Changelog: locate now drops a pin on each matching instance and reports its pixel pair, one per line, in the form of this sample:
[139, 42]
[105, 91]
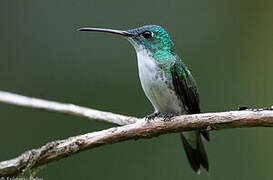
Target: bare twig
[141, 129]
[35, 103]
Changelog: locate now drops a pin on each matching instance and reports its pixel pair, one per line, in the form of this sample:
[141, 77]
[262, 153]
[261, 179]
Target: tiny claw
[169, 116]
[151, 117]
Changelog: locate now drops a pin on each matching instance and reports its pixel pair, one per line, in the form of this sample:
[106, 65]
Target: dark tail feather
[206, 135]
[196, 156]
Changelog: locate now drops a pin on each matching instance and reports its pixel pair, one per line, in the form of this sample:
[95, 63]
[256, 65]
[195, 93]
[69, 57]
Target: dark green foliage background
[228, 45]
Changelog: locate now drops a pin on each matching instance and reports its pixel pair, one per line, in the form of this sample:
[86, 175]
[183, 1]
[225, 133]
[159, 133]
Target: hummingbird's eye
[147, 34]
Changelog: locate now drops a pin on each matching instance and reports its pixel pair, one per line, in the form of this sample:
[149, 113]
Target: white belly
[160, 95]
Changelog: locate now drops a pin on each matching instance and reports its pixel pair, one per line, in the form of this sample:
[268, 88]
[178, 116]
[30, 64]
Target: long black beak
[112, 31]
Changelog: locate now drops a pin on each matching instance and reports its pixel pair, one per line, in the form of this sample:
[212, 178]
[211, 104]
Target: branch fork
[132, 128]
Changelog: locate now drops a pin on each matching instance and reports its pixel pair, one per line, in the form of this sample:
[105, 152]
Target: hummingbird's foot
[169, 116]
[150, 117]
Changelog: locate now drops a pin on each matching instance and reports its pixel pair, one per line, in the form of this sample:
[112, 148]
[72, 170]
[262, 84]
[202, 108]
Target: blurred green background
[228, 45]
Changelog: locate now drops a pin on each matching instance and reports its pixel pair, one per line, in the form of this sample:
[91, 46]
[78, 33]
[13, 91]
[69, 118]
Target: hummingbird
[167, 83]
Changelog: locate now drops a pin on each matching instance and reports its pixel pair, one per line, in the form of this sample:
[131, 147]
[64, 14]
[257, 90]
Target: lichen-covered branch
[63, 148]
[138, 129]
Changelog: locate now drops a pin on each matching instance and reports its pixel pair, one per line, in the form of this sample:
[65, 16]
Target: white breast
[160, 95]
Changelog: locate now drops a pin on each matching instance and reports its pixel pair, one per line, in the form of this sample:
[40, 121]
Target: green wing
[185, 87]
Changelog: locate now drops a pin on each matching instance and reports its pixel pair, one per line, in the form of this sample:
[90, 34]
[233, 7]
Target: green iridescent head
[152, 38]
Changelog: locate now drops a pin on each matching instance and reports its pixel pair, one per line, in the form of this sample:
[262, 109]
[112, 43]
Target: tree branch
[141, 129]
[35, 103]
